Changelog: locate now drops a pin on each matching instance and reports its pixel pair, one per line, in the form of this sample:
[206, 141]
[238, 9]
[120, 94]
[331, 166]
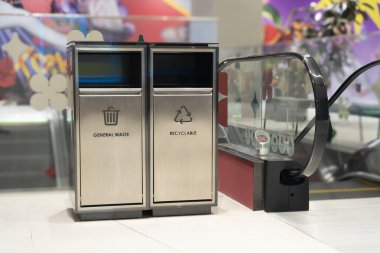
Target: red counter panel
[235, 178]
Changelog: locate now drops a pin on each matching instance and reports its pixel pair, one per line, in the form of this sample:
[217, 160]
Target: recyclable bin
[108, 128]
[183, 100]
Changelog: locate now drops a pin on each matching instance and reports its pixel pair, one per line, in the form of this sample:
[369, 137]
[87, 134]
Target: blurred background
[342, 35]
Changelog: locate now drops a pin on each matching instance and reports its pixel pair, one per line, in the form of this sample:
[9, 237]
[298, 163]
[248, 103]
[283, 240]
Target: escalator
[33, 149]
[285, 96]
[275, 96]
[354, 171]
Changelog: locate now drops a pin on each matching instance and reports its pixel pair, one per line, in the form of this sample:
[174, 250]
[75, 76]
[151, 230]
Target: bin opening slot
[110, 70]
[183, 69]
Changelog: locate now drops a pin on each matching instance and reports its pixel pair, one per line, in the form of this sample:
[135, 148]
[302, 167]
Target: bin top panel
[151, 44]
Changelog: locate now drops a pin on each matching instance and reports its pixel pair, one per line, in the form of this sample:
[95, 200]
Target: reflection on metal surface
[111, 156]
[183, 127]
[108, 129]
[183, 152]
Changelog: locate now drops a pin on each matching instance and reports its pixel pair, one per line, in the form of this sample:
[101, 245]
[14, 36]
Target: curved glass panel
[277, 94]
[355, 132]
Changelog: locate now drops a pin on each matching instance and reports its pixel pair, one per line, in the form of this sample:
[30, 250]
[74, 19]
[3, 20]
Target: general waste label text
[118, 134]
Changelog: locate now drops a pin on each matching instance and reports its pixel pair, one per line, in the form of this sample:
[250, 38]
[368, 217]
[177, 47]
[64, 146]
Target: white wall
[239, 26]
[239, 22]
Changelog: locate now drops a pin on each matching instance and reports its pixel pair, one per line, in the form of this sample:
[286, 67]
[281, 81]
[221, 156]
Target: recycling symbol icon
[183, 115]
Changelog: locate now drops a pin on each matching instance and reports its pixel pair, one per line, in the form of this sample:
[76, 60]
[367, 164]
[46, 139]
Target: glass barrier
[33, 83]
[280, 94]
[358, 106]
[355, 115]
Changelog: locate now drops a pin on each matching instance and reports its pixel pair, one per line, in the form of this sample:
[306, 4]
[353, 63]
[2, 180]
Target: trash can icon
[110, 116]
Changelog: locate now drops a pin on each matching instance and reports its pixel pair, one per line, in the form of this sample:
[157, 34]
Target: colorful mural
[288, 20]
[342, 35]
[32, 45]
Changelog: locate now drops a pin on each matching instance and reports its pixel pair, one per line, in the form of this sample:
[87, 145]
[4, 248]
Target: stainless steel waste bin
[183, 129]
[108, 128]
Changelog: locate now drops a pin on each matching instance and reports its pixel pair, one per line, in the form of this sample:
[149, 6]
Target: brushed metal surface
[109, 91]
[181, 90]
[111, 166]
[104, 48]
[183, 164]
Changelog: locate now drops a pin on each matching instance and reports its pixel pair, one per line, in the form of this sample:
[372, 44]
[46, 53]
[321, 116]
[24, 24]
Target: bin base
[175, 211]
[110, 215]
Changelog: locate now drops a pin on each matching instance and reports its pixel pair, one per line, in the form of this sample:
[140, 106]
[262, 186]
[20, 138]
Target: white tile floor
[41, 222]
[349, 225]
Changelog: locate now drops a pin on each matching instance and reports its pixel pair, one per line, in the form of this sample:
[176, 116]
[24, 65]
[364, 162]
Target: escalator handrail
[350, 79]
[321, 119]
[336, 95]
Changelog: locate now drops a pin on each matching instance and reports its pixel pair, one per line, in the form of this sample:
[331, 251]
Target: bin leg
[182, 210]
[110, 215]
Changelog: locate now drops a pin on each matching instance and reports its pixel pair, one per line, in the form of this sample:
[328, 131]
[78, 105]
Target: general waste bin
[111, 116]
[108, 128]
[183, 129]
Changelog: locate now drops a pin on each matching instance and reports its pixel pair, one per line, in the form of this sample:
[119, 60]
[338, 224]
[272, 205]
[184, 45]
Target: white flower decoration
[76, 35]
[48, 92]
